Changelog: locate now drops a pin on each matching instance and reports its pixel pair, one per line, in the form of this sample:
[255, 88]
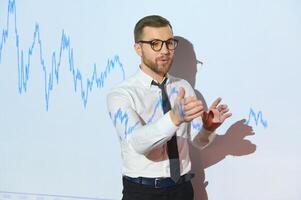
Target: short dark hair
[152, 21]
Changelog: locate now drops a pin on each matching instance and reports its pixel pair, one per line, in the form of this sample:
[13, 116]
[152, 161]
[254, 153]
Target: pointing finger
[216, 102]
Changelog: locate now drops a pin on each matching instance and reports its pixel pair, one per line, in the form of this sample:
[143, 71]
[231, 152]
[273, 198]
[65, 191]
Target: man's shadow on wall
[231, 143]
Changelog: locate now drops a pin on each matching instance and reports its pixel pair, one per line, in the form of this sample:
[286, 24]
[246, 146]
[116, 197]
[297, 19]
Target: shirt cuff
[211, 137]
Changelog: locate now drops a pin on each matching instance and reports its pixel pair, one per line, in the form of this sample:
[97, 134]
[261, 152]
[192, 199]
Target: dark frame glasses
[156, 44]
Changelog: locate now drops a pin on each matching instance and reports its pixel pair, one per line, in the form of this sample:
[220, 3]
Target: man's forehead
[157, 32]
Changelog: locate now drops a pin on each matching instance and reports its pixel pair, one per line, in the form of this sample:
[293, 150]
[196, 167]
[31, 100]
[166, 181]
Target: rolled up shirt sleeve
[196, 130]
[132, 129]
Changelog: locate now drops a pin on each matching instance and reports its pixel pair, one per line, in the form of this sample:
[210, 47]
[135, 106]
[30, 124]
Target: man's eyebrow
[158, 39]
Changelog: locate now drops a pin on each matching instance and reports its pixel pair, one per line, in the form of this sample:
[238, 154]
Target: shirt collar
[146, 79]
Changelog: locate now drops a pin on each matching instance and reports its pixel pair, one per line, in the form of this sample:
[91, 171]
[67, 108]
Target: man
[156, 115]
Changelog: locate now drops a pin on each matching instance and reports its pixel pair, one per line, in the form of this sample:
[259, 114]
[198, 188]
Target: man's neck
[155, 76]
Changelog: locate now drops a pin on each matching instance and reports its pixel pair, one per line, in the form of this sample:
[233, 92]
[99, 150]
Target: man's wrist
[204, 137]
[208, 129]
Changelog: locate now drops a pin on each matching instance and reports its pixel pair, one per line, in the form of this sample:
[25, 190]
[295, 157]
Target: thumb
[181, 93]
[204, 117]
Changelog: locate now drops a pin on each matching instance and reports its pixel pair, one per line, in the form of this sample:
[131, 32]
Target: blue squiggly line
[159, 103]
[258, 118]
[49, 78]
[196, 126]
[173, 91]
[123, 117]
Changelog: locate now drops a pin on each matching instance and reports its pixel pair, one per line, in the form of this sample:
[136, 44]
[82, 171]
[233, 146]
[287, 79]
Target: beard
[156, 66]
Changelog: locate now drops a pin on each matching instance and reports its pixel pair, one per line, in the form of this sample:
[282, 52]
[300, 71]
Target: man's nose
[164, 49]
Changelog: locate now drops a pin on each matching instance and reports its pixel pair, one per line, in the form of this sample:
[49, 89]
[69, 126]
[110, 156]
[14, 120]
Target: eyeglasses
[156, 44]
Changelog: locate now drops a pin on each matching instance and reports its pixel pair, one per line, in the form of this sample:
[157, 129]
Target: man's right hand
[185, 109]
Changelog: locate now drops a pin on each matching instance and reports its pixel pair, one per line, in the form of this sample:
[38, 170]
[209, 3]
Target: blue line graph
[257, 118]
[123, 117]
[173, 91]
[196, 126]
[24, 63]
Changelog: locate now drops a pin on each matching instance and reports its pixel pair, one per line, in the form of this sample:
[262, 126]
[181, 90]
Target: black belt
[159, 182]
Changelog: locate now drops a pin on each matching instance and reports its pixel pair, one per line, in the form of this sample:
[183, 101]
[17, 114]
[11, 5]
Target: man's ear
[138, 49]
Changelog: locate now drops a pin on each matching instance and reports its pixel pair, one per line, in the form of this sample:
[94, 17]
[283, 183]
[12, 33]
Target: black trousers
[134, 191]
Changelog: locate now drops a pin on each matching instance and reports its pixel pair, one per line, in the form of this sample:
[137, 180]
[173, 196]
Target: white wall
[52, 146]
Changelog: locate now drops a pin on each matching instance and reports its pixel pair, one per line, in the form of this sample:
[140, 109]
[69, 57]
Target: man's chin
[160, 69]
[165, 68]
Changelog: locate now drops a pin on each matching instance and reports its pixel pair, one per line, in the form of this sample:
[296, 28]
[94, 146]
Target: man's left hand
[216, 115]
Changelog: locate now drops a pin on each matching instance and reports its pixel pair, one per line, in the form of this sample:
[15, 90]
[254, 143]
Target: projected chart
[59, 60]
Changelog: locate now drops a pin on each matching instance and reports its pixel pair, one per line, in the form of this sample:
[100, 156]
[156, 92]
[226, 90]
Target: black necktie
[172, 147]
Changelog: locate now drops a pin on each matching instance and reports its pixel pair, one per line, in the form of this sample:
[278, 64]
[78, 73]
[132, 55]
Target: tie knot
[161, 86]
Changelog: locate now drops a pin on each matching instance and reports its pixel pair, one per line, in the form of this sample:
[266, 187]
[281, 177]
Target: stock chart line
[257, 117]
[24, 64]
[123, 118]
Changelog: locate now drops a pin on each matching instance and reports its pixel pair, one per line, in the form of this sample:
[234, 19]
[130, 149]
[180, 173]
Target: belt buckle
[156, 182]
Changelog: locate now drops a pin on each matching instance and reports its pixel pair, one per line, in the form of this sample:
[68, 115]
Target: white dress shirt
[135, 107]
